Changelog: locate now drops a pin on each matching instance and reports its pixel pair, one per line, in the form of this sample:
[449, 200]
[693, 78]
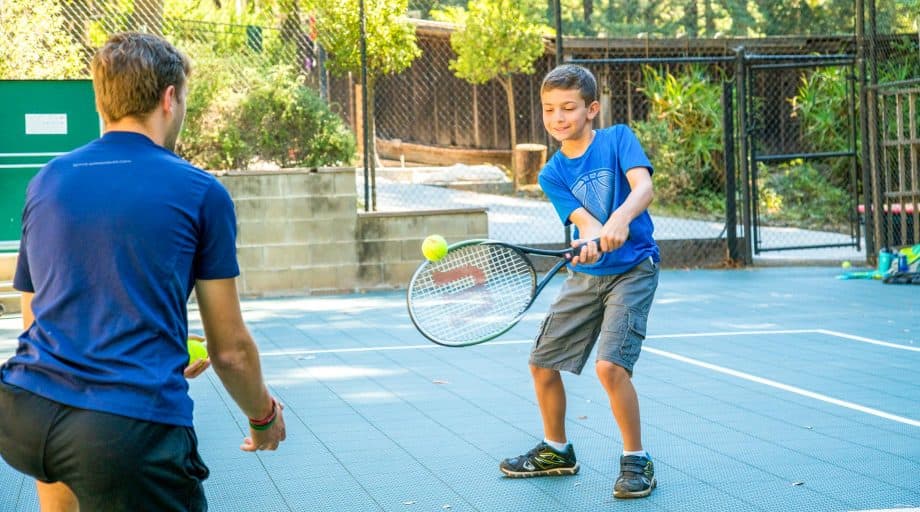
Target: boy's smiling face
[565, 115]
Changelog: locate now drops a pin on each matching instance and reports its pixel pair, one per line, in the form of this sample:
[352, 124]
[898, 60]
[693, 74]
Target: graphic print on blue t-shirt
[597, 182]
[596, 191]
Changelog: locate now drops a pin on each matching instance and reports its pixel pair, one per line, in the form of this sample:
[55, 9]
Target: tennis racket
[478, 291]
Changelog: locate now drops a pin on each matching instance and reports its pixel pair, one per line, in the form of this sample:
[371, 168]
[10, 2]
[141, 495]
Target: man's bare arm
[235, 359]
[232, 351]
[25, 300]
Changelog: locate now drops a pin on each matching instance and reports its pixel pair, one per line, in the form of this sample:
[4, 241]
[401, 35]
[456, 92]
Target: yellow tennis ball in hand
[196, 351]
[434, 247]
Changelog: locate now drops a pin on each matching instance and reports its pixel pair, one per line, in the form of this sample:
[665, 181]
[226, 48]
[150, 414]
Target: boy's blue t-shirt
[596, 181]
[115, 234]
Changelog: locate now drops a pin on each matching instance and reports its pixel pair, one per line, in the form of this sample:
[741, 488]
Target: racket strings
[472, 294]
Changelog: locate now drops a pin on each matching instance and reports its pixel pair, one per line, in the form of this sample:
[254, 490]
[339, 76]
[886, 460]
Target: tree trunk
[587, 7]
[691, 18]
[710, 19]
[476, 142]
[527, 160]
[374, 157]
[508, 84]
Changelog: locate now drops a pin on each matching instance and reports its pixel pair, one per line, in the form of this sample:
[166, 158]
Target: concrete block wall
[389, 243]
[295, 230]
[300, 232]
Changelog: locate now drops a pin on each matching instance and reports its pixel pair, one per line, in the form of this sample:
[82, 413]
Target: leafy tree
[495, 40]
[390, 41]
[34, 43]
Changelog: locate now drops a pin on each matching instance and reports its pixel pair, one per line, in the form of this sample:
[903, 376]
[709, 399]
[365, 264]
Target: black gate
[798, 151]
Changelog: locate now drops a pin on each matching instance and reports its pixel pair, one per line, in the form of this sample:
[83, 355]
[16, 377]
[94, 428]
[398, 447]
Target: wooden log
[528, 159]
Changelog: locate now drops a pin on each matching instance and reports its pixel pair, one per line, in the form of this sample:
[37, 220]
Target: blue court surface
[771, 389]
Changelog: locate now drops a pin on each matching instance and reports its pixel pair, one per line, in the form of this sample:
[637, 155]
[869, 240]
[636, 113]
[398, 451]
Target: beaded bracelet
[266, 422]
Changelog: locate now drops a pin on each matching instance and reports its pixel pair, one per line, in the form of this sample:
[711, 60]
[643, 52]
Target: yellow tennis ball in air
[196, 351]
[845, 264]
[434, 247]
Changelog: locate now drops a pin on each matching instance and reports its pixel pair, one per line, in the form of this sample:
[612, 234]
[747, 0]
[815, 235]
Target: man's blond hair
[132, 70]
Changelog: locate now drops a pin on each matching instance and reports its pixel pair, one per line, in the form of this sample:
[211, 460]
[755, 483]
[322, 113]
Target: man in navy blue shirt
[116, 234]
[600, 181]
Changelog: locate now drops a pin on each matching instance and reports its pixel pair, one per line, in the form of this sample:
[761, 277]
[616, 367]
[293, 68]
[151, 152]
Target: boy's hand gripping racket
[478, 291]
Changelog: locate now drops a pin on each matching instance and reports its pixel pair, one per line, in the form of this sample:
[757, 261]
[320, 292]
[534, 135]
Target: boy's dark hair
[132, 70]
[569, 77]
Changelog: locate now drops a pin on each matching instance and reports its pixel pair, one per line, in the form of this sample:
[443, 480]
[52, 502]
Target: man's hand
[198, 367]
[268, 439]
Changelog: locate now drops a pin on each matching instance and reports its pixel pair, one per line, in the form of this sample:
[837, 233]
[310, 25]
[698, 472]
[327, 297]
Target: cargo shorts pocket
[636, 323]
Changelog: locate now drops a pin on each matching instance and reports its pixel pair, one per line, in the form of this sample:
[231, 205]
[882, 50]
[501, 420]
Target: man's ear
[169, 99]
[594, 108]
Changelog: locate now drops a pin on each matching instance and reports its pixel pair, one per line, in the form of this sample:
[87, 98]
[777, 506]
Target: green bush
[238, 115]
[822, 110]
[683, 138]
[35, 43]
[212, 138]
[290, 125]
[799, 193]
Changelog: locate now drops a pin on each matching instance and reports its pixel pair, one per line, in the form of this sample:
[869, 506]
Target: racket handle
[575, 250]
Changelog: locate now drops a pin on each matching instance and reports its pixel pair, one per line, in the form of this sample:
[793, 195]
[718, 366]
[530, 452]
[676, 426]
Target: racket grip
[572, 251]
[575, 250]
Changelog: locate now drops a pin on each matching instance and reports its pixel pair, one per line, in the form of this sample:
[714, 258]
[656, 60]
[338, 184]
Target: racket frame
[565, 256]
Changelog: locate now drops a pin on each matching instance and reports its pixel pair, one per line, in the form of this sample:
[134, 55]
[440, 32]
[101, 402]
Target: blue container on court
[885, 260]
[902, 263]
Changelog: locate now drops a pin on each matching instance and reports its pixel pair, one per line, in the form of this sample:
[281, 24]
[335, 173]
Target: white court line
[650, 337]
[913, 509]
[784, 387]
[516, 342]
[868, 340]
[684, 359]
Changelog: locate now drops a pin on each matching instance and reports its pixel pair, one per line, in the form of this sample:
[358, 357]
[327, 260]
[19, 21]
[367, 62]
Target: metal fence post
[866, 167]
[728, 137]
[364, 116]
[557, 14]
[741, 95]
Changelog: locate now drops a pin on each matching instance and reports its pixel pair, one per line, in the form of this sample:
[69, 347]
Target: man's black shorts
[110, 462]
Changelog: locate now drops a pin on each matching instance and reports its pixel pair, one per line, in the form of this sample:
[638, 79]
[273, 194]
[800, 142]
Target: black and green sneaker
[541, 461]
[637, 477]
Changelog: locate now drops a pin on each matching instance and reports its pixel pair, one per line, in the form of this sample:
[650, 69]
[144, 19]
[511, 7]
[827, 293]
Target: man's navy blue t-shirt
[596, 181]
[114, 236]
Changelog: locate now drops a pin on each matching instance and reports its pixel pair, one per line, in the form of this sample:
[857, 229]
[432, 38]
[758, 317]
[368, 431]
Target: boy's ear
[593, 109]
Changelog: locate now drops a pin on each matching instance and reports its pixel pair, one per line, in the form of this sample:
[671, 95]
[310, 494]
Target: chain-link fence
[795, 148]
[72, 30]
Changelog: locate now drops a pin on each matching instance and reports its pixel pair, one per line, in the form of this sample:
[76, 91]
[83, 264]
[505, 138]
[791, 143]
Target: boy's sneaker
[541, 461]
[637, 477]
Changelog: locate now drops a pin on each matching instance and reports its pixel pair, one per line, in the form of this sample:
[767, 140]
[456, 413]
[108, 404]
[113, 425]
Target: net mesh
[473, 294]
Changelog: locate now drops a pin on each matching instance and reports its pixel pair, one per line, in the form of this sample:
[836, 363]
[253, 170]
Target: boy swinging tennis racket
[600, 180]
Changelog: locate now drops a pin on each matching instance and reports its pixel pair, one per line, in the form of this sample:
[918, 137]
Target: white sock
[640, 453]
[559, 447]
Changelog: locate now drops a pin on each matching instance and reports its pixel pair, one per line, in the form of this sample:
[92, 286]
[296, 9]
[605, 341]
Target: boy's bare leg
[551, 399]
[623, 401]
[56, 497]
[546, 460]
